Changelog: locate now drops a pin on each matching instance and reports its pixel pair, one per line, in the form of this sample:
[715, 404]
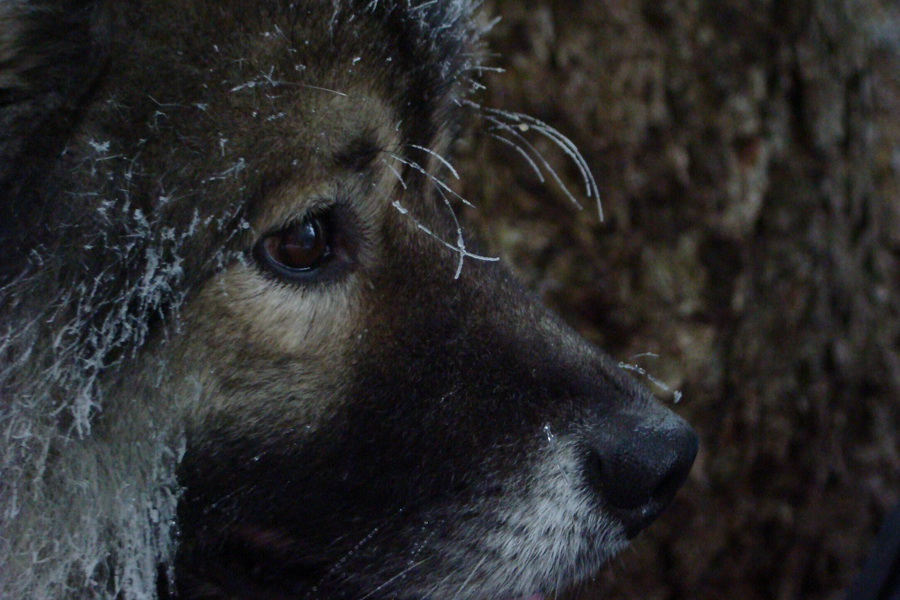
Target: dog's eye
[299, 249]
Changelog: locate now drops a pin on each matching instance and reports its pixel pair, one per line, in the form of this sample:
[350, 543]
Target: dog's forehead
[289, 91]
[397, 42]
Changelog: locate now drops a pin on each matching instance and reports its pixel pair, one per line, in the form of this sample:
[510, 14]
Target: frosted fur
[88, 510]
[81, 508]
[90, 405]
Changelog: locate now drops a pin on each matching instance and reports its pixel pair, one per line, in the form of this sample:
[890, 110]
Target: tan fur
[398, 421]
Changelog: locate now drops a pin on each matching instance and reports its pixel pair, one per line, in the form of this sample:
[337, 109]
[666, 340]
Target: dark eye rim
[334, 262]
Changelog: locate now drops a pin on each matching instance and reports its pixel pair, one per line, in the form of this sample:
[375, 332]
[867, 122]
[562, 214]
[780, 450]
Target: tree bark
[747, 155]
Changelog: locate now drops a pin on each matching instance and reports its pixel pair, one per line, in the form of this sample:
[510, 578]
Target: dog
[249, 351]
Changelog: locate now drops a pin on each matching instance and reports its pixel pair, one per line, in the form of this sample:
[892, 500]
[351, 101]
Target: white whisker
[396, 204]
[460, 242]
[395, 578]
[524, 154]
[413, 164]
[676, 395]
[321, 89]
[443, 160]
[512, 130]
[469, 578]
[395, 172]
[505, 120]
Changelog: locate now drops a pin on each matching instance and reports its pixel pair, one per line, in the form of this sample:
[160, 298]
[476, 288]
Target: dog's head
[373, 409]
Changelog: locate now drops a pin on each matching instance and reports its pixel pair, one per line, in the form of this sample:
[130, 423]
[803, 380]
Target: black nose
[636, 461]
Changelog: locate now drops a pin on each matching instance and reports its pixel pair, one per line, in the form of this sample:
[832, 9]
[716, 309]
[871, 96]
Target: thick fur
[178, 420]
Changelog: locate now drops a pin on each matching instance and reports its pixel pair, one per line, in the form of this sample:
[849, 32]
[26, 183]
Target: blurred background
[747, 152]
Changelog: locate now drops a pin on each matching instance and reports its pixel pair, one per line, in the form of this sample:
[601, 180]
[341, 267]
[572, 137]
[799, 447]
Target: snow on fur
[87, 504]
[88, 491]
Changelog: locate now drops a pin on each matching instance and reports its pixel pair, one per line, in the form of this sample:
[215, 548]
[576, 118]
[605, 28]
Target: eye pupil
[300, 246]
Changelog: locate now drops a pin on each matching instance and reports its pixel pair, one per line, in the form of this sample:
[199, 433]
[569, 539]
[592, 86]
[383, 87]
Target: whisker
[395, 172]
[562, 141]
[396, 204]
[395, 577]
[413, 164]
[343, 560]
[512, 130]
[321, 89]
[676, 394]
[443, 160]
[460, 242]
[524, 154]
[644, 354]
[469, 578]
[554, 447]
[504, 119]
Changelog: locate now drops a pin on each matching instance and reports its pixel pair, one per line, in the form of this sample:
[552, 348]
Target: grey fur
[164, 397]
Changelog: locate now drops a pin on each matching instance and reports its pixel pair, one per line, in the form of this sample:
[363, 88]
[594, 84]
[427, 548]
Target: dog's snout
[636, 463]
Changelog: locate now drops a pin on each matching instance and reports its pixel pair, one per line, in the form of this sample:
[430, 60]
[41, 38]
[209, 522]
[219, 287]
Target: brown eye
[298, 249]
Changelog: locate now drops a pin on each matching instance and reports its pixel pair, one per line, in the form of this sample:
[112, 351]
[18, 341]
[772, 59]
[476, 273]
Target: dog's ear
[51, 52]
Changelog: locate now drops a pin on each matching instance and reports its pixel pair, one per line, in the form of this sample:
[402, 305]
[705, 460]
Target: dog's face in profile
[372, 426]
[372, 409]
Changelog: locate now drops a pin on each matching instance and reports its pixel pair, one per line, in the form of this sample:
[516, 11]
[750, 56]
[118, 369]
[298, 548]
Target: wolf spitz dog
[247, 351]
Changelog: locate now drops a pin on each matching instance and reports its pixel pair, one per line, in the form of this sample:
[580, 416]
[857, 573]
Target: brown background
[747, 154]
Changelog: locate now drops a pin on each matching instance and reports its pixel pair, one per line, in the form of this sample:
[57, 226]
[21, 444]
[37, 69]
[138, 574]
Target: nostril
[621, 481]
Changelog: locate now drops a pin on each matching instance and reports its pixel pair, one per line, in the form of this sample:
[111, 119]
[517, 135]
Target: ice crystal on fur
[87, 505]
[123, 201]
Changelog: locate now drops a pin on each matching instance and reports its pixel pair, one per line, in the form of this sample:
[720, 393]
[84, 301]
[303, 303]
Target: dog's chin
[259, 581]
[262, 565]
